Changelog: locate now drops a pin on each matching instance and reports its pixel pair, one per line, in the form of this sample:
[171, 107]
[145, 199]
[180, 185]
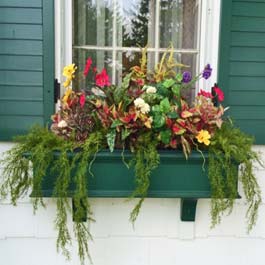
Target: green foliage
[41, 150]
[146, 159]
[229, 148]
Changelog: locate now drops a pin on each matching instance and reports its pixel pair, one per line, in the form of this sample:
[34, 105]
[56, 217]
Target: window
[111, 31]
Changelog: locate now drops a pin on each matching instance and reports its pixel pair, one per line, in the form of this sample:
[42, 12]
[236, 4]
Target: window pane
[92, 22]
[126, 60]
[178, 23]
[100, 59]
[136, 23]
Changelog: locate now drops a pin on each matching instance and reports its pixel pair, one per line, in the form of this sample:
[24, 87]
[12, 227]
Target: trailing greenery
[146, 159]
[42, 151]
[229, 148]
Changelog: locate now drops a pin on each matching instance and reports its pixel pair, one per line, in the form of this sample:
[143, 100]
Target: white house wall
[159, 237]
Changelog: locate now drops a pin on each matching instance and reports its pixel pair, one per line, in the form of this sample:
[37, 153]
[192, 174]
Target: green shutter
[27, 65]
[242, 64]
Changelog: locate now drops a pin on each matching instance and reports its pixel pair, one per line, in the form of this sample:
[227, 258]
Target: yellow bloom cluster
[204, 137]
[68, 72]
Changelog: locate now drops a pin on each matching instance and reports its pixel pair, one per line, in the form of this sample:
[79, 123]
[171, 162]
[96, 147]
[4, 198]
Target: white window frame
[208, 46]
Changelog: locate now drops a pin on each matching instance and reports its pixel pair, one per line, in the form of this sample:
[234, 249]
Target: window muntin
[111, 31]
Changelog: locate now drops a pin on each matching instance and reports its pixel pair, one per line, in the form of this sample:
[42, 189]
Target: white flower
[151, 90]
[145, 108]
[139, 103]
[62, 124]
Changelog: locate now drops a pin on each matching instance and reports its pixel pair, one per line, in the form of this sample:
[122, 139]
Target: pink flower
[219, 93]
[87, 67]
[205, 94]
[102, 79]
[82, 100]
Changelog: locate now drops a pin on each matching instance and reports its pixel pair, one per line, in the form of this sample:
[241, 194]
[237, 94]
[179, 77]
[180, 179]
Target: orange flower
[204, 137]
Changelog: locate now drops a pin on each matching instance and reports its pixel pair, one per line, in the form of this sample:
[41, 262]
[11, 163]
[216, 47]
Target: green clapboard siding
[27, 65]
[242, 64]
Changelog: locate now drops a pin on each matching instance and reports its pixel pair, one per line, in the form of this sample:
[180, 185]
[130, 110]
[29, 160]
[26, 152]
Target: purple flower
[186, 77]
[207, 71]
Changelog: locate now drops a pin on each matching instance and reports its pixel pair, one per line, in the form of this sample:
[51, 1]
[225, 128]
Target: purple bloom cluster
[186, 77]
[207, 71]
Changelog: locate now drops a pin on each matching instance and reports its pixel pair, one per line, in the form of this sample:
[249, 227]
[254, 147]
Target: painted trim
[209, 40]
[48, 59]
[224, 44]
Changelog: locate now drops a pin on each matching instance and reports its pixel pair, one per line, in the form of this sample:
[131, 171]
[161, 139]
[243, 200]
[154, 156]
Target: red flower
[205, 94]
[219, 93]
[82, 100]
[139, 82]
[128, 118]
[102, 79]
[87, 67]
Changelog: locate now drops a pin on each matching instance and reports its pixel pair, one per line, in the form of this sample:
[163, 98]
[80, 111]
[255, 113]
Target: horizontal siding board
[21, 15]
[13, 62]
[248, 9]
[247, 54]
[245, 98]
[247, 68]
[247, 83]
[250, 126]
[247, 112]
[255, 1]
[23, 108]
[16, 125]
[248, 39]
[21, 78]
[23, 92]
[20, 31]
[252, 24]
[21, 47]
[21, 3]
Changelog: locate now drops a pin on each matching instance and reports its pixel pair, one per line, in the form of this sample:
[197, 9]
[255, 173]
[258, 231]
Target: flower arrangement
[148, 112]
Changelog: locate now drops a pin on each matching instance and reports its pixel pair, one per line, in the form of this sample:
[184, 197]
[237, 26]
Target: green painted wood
[19, 3]
[175, 177]
[247, 68]
[244, 98]
[246, 54]
[21, 92]
[242, 64]
[250, 24]
[16, 125]
[247, 112]
[21, 108]
[21, 47]
[21, 78]
[48, 59]
[247, 83]
[21, 15]
[188, 210]
[248, 128]
[247, 39]
[248, 9]
[27, 63]
[21, 31]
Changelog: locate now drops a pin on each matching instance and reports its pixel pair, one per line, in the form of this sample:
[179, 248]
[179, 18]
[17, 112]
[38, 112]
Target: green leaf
[176, 90]
[165, 105]
[165, 136]
[173, 115]
[179, 77]
[156, 108]
[116, 123]
[168, 83]
[124, 134]
[111, 139]
[159, 120]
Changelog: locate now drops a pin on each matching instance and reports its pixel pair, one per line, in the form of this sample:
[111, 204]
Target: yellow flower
[69, 71]
[67, 82]
[67, 94]
[203, 137]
